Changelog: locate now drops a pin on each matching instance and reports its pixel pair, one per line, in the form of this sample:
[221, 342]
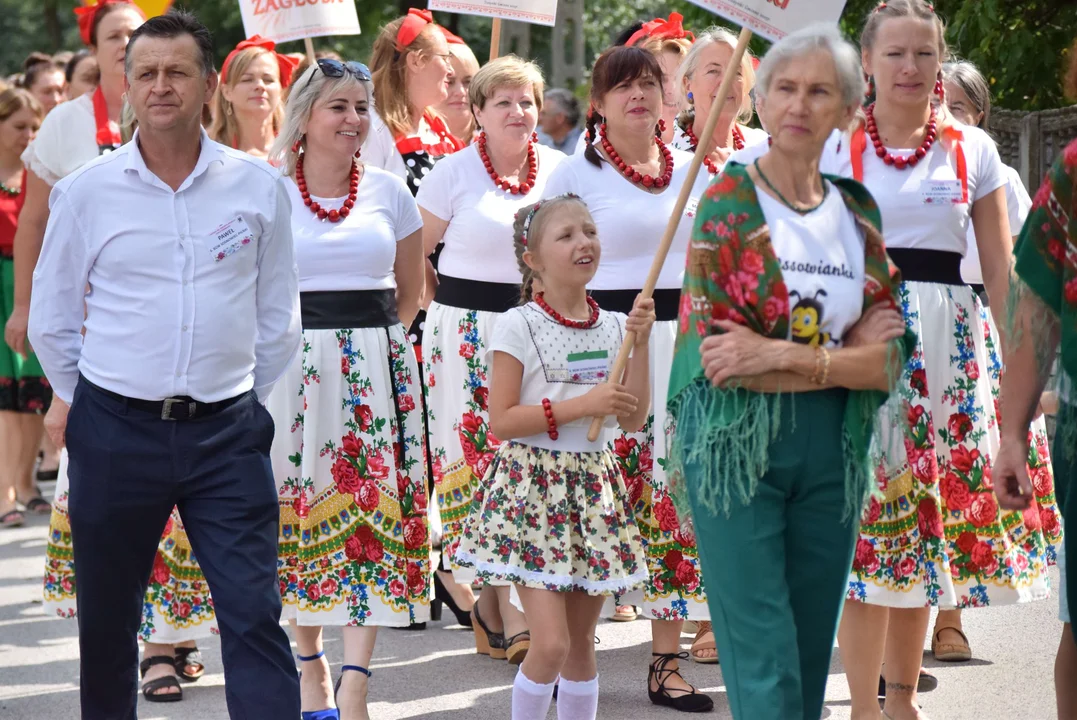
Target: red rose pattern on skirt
[938, 536]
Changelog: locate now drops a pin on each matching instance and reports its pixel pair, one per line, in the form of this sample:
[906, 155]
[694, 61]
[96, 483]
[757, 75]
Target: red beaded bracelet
[547, 407]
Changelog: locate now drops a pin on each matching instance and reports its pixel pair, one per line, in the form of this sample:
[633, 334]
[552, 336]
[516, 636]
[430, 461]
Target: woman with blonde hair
[354, 549]
[247, 109]
[468, 203]
[457, 106]
[697, 82]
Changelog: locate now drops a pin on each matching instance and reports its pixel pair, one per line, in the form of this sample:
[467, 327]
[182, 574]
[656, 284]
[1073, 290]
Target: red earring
[871, 87]
[358, 153]
[940, 89]
[298, 144]
[661, 126]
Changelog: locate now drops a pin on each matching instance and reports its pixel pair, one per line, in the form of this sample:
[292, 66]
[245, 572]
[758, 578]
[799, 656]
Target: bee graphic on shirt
[807, 319]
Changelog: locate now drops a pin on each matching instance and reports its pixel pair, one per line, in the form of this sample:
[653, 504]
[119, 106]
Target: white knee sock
[530, 700]
[577, 700]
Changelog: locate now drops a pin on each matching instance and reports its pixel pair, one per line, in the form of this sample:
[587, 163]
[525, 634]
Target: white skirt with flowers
[938, 537]
[348, 457]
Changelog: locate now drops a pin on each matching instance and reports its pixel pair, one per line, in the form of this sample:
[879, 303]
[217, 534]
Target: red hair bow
[86, 15]
[287, 65]
[671, 29]
[413, 24]
[451, 37]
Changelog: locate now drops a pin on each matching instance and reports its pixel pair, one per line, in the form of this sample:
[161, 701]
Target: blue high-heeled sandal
[356, 668]
[328, 713]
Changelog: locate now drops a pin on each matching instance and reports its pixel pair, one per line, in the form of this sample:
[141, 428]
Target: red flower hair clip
[671, 29]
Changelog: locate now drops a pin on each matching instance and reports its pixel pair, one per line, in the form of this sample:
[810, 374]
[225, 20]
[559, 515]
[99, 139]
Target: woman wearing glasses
[348, 453]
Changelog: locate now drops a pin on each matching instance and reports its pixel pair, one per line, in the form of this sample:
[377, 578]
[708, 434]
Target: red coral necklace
[577, 324]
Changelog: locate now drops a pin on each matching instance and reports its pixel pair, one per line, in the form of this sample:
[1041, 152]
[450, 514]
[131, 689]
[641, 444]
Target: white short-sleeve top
[379, 148]
[478, 240]
[66, 141]
[631, 220]
[359, 252]
[822, 262]
[1018, 205]
[560, 363]
[752, 137]
[909, 219]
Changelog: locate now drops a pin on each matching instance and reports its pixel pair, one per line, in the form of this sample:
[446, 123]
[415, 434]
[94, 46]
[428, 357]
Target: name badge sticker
[691, 207]
[941, 192]
[231, 236]
[588, 366]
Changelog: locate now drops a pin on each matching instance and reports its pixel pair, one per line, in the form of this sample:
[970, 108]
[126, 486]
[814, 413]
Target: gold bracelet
[814, 379]
[826, 366]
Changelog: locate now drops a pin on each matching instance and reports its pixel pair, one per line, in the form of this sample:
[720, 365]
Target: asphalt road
[437, 676]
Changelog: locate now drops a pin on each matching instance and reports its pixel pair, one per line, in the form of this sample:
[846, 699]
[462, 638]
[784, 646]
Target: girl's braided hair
[527, 228]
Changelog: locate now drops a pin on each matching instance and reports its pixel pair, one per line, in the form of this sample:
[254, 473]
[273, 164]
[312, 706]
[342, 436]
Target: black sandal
[12, 519]
[37, 505]
[189, 657]
[150, 688]
[692, 702]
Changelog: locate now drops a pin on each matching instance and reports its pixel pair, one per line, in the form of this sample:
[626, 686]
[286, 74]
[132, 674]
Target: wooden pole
[495, 39]
[308, 45]
[702, 151]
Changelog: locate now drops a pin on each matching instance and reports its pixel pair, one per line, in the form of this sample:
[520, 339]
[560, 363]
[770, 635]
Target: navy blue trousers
[128, 468]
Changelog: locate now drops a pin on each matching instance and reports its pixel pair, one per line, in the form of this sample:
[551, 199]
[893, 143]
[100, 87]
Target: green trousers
[1065, 470]
[776, 569]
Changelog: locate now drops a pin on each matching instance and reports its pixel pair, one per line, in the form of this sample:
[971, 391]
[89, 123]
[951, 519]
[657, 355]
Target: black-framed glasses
[335, 69]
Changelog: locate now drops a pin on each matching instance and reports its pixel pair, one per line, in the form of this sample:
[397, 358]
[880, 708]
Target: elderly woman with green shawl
[1043, 325]
[789, 341]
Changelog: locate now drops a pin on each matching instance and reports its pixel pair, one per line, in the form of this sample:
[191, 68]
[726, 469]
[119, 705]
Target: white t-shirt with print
[560, 363]
[822, 262]
[359, 252]
[1018, 205]
[478, 240]
[909, 220]
[631, 220]
[66, 141]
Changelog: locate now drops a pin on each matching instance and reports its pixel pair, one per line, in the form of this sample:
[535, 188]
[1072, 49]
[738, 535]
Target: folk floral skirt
[348, 457]
[674, 590]
[458, 415]
[553, 520]
[177, 606]
[938, 537]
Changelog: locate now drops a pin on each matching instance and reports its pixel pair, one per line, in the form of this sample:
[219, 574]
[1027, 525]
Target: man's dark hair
[172, 25]
[567, 102]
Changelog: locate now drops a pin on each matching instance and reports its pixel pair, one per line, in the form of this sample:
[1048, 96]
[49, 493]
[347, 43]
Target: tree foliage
[1021, 47]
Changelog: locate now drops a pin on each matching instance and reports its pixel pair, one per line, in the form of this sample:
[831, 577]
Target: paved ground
[435, 675]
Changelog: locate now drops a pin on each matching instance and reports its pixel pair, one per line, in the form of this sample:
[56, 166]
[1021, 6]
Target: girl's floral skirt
[938, 536]
[348, 457]
[458, 415]
[177, 606]
[674, 589]
[554, 520]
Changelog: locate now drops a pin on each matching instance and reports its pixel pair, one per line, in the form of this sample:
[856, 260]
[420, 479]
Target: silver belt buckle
[169, 403]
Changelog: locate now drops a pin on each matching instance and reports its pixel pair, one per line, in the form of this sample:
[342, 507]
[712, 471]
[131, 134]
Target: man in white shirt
[191, 317]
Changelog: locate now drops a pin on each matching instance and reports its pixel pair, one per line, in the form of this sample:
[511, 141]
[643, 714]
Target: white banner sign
[284, 20]
[774, 19]
[539, 12]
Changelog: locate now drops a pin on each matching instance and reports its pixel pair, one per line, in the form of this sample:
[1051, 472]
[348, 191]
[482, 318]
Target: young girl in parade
[552, 513]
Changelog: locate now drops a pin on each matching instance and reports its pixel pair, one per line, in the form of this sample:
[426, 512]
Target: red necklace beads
[532, 167]
[577, 324]
[634, 175]
[900, 161]
[712, 167]
[322, 213]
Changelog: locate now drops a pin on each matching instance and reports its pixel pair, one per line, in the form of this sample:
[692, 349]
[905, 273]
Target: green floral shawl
[733, 273]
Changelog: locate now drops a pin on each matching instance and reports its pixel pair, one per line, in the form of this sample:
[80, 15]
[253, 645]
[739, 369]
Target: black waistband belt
[930, 266]
[345, 309]
[666, 302]
[476, 294]
[174, 408]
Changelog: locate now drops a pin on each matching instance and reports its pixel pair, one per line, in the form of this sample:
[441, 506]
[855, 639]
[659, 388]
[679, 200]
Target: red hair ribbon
[287, 65]
[414, 23]
[450, 37]
[671, 29]
[86, 16]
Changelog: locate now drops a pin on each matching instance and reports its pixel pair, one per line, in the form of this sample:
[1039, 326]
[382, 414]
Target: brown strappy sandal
[704, 629]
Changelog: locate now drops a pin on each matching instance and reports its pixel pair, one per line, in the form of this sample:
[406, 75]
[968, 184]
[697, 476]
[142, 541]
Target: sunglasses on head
[335, 69]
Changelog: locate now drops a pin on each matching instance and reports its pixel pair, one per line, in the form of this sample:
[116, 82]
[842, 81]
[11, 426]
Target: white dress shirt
[178, 303]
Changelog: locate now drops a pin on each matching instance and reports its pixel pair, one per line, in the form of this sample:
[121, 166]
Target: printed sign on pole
[774, 19]
[539, 12]
[284, 20]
